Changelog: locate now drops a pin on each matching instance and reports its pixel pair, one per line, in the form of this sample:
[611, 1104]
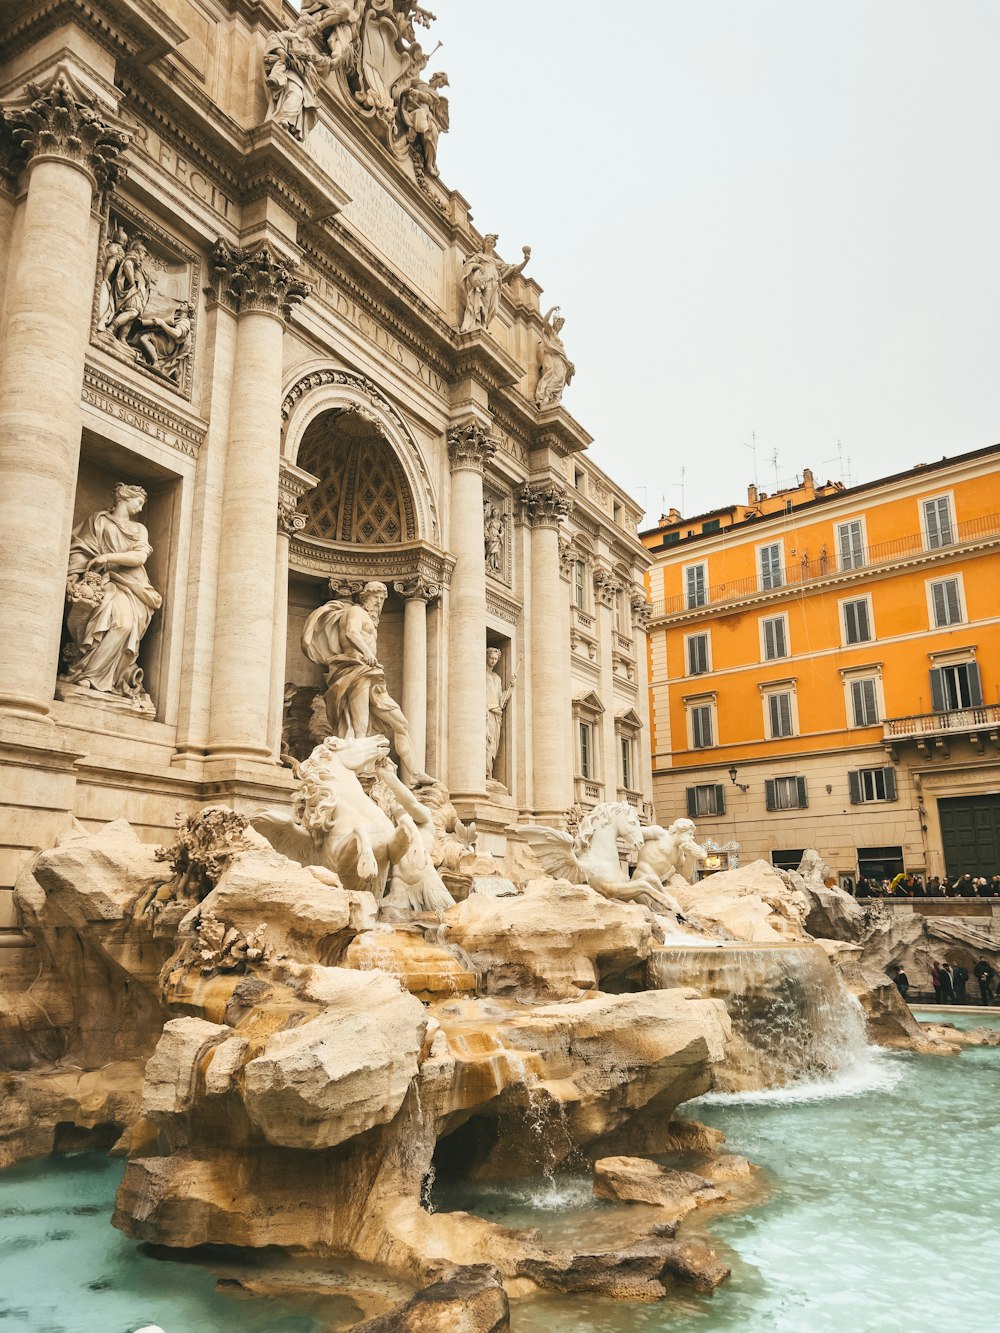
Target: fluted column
[261, 287]
[416, 593]
[469, 447]
[543, 508]
[71, 151]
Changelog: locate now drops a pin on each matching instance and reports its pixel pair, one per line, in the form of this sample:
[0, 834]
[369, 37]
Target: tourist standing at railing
[984, 974]
[934, 889]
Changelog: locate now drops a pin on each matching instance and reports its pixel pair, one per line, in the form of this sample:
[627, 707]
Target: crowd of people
[907, 884]
[950, 980]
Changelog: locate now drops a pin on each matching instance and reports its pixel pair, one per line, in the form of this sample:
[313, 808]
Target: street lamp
[743, 786]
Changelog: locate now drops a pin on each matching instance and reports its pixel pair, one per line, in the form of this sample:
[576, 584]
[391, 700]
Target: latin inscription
[149, 143]
[139, 421]
[370, 328]
[375, 216]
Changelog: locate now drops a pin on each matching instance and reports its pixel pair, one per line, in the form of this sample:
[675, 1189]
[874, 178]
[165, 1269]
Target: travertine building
[253, 356]
[838, 649]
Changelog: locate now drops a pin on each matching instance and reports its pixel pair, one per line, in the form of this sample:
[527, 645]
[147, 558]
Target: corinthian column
[261, 287]
[469, 447]
[543, 508]
[416, 593]
[71, 151]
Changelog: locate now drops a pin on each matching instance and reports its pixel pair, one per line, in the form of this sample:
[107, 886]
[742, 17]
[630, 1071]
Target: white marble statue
[423, 109]
[666, 852]
[483, 275]
[591, 857]
[335, 823]
[494, 522]
[497, 698]
[111, 600]
[343, 638]
[414, 881]
[556, 370]
[338, 22]
[293, 67]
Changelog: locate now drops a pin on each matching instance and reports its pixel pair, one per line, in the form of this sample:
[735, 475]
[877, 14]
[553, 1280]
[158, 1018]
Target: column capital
[418, 589]
[256, 279]
[61, 122]
[290, 521]
[606, 586]
[642, 610]
[470, 446]
[543, 506]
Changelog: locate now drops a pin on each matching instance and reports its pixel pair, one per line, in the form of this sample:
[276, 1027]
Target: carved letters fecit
[149, 143]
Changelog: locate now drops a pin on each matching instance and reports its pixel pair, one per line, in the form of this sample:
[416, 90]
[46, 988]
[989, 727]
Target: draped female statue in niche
[111, 598]
[497, 699]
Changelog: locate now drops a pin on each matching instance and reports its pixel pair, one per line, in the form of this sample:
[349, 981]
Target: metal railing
[942, 724]
[810, 571]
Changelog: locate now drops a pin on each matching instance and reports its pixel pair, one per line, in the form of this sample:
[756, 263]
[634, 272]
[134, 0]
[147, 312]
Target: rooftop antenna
[753, 449]
[774, 464]
[680, 486]
[840, 463]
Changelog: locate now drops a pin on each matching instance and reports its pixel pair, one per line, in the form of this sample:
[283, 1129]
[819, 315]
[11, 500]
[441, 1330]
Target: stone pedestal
[261, 288]
[70, 151]
[543, 507]
[469, 446]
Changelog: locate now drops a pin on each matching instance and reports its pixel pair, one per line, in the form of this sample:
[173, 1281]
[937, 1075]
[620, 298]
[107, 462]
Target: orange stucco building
[840, 648]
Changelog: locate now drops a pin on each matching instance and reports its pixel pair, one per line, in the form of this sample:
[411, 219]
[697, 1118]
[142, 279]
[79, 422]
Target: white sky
[770, 216]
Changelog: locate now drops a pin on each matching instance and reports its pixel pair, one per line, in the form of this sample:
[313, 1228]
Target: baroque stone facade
[235, 284]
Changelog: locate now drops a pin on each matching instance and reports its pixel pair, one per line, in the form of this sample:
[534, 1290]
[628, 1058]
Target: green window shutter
[975, 686]
[720, 799]
[801, 784]
[692, 797]
[937, 688]
[770, 794]
[890, 784]
[854, 785]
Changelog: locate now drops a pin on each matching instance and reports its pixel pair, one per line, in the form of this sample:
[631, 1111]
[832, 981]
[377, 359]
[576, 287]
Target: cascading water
[793, 1019]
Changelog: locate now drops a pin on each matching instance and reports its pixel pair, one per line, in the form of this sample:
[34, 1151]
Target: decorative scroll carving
[256, 279]
[543, 506]
[61, 122]
[470, 446]
[290, 521]
[555, 370]
[483, 275]
[418, 588]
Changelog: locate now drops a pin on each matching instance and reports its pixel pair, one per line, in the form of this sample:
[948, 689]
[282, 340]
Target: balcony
[932, 731]
[828, 567]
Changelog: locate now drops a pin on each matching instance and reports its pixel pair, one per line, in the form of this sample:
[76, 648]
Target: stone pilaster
[293, 483]
[543, 508]
[469, 448]
[71, 150]
[262, 288]
[416, 593]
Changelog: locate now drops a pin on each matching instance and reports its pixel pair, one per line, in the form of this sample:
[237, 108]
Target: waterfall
[793, 1019]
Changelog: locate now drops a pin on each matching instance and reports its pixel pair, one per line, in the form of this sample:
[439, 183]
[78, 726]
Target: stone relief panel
[145, 298]
[497, 524]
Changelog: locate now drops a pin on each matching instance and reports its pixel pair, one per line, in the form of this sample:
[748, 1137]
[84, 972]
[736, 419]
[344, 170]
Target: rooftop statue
[338, 22]
[424, 111]
[343, 638]
[483, 275]
[293, 68]
[556, 370]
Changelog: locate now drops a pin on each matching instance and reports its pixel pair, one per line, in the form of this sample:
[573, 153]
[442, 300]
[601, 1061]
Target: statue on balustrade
[424, 111]
[497, 698]
[556, 370]
[111, 600]
[483, 275]
[293, 67]
[338, 22]
[342, 637]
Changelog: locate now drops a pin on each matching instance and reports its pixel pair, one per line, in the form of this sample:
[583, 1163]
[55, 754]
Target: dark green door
[970, 833]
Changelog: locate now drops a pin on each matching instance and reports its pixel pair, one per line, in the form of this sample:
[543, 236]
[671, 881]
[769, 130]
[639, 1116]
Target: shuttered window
[696, 585]
[586, 750]
[937, 521]
[775, 638]
[701, 726]
[697, 654]
[946, 603]
[850, 544]
[785, 793]
[864, 702]
[771, 575]
[957, 686]
[779, 712]
[708, 799]
[872, 784]
[857, 621]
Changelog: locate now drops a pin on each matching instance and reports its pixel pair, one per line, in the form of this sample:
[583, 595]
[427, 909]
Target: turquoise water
[881, 1217]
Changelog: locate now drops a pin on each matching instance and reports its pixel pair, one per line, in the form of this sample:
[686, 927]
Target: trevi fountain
[348, 980]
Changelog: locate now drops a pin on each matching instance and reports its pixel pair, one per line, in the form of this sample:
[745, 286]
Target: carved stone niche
[145, 298]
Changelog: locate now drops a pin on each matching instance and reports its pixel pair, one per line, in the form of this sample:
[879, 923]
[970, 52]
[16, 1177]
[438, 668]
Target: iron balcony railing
[942, 724]
[800, 572]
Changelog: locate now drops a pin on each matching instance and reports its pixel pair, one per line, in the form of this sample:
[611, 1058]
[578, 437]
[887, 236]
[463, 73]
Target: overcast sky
[770, 216]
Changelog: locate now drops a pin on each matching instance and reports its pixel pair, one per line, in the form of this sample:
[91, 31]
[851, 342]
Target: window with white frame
[707, 798]
[779, 712]
[769, 563]
[851, 544]
[774, 637]
[938, 526]
[695, 586]
[587, 713]
[586, 737]
[580, 584]
[956, 685]
[785, 793]
[857, 620]
[621, 612]
[701, 721]
[871, 784]
[697, 654]
[945, 598]
[628, 725]
[626, 748]
[864, 701]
